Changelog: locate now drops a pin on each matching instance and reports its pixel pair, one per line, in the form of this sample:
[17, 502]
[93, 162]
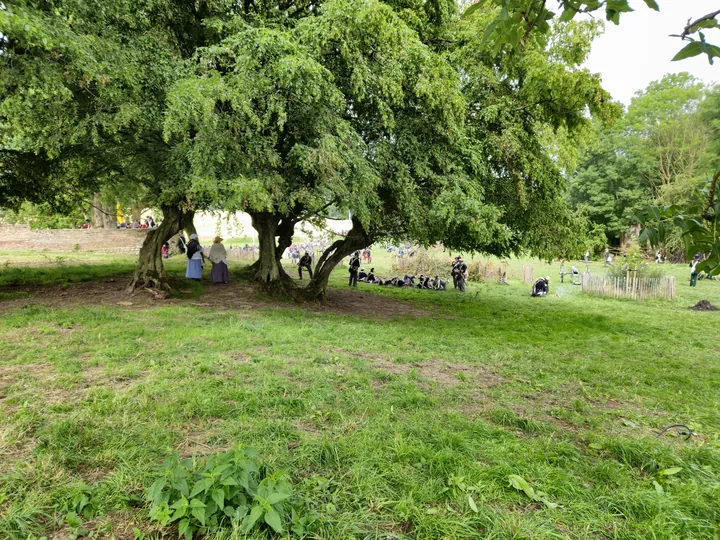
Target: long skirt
[219, 273]
[194, 269]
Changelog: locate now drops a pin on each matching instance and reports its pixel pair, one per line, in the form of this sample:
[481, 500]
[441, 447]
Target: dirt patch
[119, 524]
[703, 305]
[201, 438]
[366, 304]
[239, 296]
[443, 373]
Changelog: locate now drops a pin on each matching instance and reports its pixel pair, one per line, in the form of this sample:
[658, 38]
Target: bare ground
[237, 296]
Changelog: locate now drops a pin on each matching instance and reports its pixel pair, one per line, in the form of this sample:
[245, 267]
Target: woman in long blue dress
[196, 258]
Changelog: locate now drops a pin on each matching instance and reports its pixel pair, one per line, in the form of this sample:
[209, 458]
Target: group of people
[147, 223]
[196, 259]
[358, 274]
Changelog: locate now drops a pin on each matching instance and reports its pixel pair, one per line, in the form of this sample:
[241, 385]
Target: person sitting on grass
[541, 287]
[362, 276]
[371, 276]
[438, 284]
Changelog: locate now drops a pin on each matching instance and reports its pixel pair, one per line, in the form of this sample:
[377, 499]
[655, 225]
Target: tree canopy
[400, 113]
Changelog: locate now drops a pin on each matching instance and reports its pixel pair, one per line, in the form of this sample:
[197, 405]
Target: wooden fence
[528, 275]
[630, 286]
[242, 254]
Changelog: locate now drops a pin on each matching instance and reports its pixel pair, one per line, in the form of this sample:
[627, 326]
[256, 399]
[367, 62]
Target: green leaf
[183, 526]
[197, 503]
[691, 49]
[272, 518]
[567, 14]
[156, 488]
[199, 514]
[275, 498]
[658, 487]
[519, 483]
[596, 446]
[229, 481]
[652, 4]
[198, 487]
[255, 514]
[218, 496]
[670, 471]
[488, 31]
[472, 9]
[472, 504]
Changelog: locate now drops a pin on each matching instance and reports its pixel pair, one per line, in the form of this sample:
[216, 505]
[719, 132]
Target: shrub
[634, 262]
[222, 490]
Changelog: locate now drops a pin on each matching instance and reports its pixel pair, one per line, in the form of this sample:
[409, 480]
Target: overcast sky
[639, 50]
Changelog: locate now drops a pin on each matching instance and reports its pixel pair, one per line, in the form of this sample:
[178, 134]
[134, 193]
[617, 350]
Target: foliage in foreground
[225, 490]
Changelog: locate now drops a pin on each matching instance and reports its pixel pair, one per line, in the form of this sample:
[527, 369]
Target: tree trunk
[97, 216]
[136, 211]
[267, 269]
[356, 239]
[149, 271]
[188, 223]
[110, 216]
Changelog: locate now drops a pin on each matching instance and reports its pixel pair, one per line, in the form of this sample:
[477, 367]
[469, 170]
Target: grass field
[394, 413]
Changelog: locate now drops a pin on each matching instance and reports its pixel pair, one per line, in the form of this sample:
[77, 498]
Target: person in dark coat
[541, 287]
[354, 266]
[461, 273]
[306, 263]
[181, 245]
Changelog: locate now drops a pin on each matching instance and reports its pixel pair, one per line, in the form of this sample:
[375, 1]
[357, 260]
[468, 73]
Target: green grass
[387, 427]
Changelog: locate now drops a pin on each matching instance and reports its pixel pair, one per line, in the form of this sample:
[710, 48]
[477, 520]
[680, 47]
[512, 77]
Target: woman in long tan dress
[218, 258]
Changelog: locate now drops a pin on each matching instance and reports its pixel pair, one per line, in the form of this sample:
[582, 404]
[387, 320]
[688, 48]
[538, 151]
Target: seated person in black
[371, 276]
[362, 276]
[541, 287]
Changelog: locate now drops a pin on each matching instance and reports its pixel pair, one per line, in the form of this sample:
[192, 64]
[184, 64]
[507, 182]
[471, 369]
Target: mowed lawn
[395, 413]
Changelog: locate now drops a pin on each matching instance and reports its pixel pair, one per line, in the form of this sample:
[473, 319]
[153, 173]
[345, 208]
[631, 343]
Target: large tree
[82, 102]
[351, 108]
[400, 113]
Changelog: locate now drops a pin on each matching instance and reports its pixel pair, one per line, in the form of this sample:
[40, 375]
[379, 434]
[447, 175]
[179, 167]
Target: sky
[639, 50]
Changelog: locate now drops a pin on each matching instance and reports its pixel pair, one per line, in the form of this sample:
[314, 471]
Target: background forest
[662, 151]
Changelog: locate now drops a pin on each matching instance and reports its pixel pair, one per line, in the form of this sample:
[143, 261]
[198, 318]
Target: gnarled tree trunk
[356, 239]
[267, 269]
[149, 271]
[188, 223]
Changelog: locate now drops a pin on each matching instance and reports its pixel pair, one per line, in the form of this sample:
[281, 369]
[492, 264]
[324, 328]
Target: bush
[635, 262]
[222, 490]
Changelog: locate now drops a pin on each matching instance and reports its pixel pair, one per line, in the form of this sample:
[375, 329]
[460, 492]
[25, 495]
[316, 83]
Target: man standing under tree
[461, 271]
[453, 271]
[181, 243]
[305, 262]
[354, 265]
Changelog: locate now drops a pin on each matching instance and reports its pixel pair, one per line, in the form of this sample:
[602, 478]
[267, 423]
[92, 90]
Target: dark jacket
[192, 248]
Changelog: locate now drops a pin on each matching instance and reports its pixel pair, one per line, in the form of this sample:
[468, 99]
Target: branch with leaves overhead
[518, 20]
